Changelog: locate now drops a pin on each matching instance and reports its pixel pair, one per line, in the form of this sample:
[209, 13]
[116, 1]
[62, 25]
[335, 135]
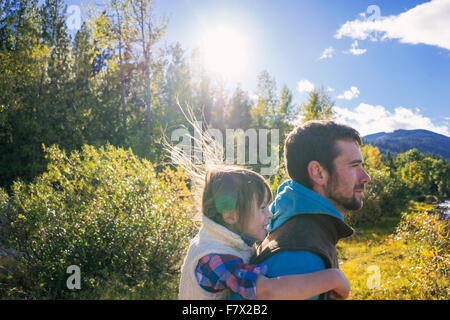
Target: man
[324, 161]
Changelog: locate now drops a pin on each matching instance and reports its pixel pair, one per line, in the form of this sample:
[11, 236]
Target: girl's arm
[303, 286]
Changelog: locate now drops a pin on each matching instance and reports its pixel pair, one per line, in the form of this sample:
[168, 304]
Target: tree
[36, 64]
[266, 104]
[436, 176]
[238, 111]
[202, 89]
[413, 174]
[318, 107]
[123, 34]
[389, 161]
[113, 38]
[178, 88]
[409, 156]
[441, 177]
[147, 34]
[127, 30]
[216, 113]
[372, 157]
[286, 111]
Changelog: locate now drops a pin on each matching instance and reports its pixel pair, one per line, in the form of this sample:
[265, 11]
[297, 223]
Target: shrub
[385, 196]
[427, 237]
[106, 211]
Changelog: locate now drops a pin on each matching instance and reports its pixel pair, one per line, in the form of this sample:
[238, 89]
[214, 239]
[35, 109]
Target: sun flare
[225, 51]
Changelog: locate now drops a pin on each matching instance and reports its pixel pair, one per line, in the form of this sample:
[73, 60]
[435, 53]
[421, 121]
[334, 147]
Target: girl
[235, 215]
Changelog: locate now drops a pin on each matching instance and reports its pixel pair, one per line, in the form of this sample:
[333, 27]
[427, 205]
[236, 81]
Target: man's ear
[317, 173]
[230, 217]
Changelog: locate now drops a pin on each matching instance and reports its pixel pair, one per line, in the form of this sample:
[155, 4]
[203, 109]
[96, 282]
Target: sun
[225, 51]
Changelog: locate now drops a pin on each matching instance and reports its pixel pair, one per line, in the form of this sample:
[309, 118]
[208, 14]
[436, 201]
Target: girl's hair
[217, 188]
[229, 188]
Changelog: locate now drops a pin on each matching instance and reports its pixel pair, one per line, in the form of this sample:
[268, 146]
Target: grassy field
[381, 263]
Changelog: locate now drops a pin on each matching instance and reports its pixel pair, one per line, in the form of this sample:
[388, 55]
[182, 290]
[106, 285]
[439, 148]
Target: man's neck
[339, 207]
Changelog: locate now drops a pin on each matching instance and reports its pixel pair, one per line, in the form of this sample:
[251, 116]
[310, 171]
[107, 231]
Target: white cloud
[305, 86]
[327, 53]
[368, 119]
[355, 50]
[349, 94]
[329, 89]
[427, 23]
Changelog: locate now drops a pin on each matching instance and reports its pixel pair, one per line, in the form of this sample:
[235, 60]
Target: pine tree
[389, 161]
[238, 111]
[23, 58]
[318, 107]
[178, 88]
[147, 33]
[266, 104]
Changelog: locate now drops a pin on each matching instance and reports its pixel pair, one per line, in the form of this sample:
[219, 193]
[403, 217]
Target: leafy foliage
[428, 257]
[410, 176]
[104, 210]
[318, 107]
[121, 219]
[410, 253]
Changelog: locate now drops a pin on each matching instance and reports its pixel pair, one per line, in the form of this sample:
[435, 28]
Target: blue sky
[387, 67]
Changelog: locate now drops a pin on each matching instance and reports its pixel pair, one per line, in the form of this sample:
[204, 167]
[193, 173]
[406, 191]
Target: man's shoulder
[307, 225]
[300, 233]
[299, 227]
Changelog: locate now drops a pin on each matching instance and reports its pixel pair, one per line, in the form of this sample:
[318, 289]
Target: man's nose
[365, 177]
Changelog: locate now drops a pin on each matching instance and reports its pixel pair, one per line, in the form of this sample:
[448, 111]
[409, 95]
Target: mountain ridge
[402, 140]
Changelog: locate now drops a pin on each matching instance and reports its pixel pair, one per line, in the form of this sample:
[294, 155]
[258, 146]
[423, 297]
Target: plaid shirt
[216, 272]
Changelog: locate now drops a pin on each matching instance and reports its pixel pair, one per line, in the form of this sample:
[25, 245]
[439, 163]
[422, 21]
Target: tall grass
[408, 254]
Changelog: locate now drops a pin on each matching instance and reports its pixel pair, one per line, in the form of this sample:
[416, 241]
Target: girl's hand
[342, 289]
[335, 296]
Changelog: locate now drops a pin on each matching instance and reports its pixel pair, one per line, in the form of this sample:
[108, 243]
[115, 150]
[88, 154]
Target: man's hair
[314, 140]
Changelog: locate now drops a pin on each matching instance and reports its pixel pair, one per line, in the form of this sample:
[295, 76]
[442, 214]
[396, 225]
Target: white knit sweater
[212, 238]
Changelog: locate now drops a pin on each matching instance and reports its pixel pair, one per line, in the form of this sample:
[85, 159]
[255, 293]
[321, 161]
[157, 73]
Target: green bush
[104, 210]
[385, 196]
[427, 237]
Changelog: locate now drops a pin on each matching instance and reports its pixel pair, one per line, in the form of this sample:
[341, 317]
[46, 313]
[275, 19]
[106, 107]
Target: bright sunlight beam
[225, 51]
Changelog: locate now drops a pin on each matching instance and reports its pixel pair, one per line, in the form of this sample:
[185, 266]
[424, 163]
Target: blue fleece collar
[249, 241]
[293, 199]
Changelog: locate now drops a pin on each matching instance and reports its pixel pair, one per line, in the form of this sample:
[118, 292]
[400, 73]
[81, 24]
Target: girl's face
[258, 219]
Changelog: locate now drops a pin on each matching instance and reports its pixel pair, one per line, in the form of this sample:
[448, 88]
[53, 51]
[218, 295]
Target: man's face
[345, 187]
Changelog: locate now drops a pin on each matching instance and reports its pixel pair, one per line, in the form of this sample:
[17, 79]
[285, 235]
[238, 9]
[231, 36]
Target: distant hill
[403, 140]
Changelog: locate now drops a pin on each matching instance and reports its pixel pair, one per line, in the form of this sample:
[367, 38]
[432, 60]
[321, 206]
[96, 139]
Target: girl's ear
[230, 217]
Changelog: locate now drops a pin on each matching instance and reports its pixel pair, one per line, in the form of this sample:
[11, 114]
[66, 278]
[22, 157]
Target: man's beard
[351, 203]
